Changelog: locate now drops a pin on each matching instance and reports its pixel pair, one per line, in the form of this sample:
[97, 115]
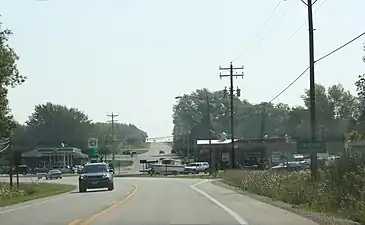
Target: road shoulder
[252, 210]
[318, 218]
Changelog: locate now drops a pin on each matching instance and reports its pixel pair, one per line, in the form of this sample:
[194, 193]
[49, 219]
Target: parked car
[111, 167]
[77, 169]
[54, 174]
[22, 169]
[197, 167]
[63, 169]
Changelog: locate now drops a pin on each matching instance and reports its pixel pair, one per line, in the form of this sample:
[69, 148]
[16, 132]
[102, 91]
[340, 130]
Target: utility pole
[263, 121]
[231, 75]
[113, 120]
[312, 95]
[11, 158]
[106, 146]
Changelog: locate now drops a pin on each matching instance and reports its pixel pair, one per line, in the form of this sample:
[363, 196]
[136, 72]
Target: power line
[321, 58]
[244, 52]
[287, 87]
[269, 18]
[339, 48]
[301, 26]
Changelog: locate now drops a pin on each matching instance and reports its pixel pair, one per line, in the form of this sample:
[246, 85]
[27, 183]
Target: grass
[30, 191]
[337, 193]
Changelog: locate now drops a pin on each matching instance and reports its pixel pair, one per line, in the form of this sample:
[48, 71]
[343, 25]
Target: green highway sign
[307, 146]
[94, 152]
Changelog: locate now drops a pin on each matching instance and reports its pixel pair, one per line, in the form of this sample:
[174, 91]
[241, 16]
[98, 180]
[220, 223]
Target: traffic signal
[238, 92]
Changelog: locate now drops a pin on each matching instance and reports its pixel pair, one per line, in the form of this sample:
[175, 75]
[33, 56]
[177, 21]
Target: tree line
[51, 124]
[339, 114]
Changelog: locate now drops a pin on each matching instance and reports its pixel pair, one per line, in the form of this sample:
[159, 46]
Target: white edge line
[200, 182]
[36, 203]
[238, 218]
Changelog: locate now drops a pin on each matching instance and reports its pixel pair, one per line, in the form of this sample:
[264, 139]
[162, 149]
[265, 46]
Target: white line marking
[200, 182]
[34, 204]
[239, 219]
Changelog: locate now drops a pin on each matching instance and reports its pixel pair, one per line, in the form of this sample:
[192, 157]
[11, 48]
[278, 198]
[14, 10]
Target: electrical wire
[339, 48]
[287, 87]
[244, 52]
[269, 18]
[319, 59]
[297, 30]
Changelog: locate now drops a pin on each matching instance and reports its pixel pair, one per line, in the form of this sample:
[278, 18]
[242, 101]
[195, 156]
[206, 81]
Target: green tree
[123, 133]
[9, 77]
[53, 124]
[336, 109]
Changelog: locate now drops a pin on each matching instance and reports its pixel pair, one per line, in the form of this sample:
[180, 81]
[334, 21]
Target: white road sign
[225, 156]
[92, 143]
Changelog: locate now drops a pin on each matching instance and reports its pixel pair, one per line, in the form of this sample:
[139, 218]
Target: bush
[340, 189]
[7, 192]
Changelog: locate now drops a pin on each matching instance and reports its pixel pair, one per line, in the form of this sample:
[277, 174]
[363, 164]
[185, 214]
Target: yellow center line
[112, 206]
[75, 222]
[113, 202]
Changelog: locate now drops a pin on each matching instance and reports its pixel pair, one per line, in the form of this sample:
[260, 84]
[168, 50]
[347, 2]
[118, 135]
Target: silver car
[54, 174]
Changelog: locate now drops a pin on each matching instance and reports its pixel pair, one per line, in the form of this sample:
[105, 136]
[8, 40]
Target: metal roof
[214, 142]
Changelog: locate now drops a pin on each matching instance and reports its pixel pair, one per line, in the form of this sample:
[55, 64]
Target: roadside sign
[93, 143]
[94, 152]
[307, 146]
[225, 156]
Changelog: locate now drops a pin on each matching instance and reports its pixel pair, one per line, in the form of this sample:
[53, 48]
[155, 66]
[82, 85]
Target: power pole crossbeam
[231, 75]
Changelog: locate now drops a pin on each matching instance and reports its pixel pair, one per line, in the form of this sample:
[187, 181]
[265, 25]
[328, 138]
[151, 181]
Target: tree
[336, 111]
[9, 77]
[53, 124]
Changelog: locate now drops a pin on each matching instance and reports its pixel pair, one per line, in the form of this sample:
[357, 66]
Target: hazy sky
[133, 57]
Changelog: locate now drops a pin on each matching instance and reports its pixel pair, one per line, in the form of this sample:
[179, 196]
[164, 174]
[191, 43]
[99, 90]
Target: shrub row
[340, 189]
[7, 192]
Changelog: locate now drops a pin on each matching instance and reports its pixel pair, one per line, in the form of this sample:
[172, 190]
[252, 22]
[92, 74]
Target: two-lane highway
[149, 201]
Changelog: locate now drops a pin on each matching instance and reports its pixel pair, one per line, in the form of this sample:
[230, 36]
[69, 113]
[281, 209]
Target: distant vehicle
[54, 174]
[161, 152]
[126, 152]
[77, 169]
[96, 175]
[197, 167]
[111, 168]
[22, 169]
[63, 169]
[133, 153]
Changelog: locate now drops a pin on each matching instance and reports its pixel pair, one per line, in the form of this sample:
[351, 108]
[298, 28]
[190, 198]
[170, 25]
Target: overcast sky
[133, 57]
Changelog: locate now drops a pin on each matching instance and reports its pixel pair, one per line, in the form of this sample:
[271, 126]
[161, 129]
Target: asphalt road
[159, 201]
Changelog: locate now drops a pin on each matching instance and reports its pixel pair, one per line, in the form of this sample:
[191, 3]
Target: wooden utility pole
[113, 120]
[312, 95]
[231, 75]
